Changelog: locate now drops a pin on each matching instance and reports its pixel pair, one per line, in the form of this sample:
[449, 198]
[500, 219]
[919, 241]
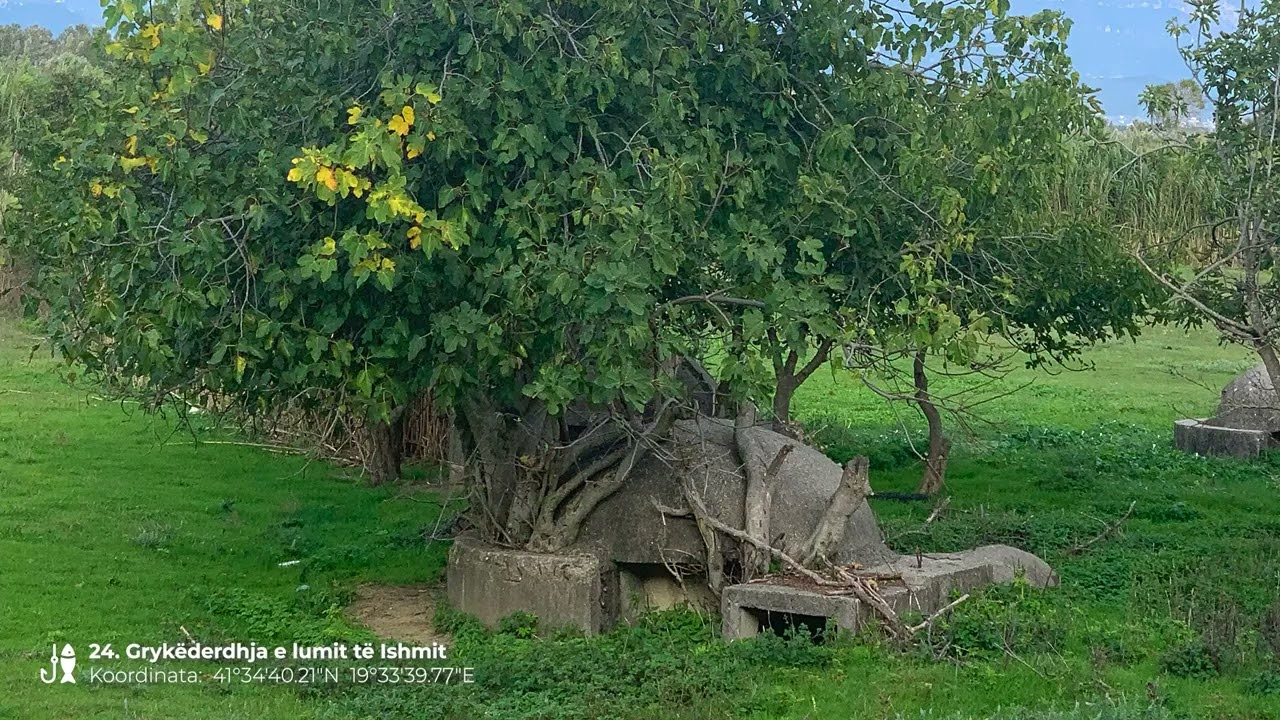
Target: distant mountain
[1119, 46]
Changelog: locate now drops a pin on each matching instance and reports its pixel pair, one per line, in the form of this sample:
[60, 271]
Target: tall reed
[1152, 189]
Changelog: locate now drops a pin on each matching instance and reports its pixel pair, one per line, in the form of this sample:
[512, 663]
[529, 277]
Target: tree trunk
[532, 484]
[782, 394]
[456, 454]
[1260, 320]
[484, 441]
[855, 485]
[385, 451]
[1272, 363]
[788, 378]
[935, 463]
[757, 496]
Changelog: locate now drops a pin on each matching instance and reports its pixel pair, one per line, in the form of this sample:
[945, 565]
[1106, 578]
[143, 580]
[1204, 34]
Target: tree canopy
[520, 207]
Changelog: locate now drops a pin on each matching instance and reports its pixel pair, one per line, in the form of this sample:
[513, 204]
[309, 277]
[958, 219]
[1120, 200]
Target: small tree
[1038, 299]
[1233, 286]
[1171, 105]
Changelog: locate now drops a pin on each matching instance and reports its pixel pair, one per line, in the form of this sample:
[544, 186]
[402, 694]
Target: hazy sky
[1119, 46]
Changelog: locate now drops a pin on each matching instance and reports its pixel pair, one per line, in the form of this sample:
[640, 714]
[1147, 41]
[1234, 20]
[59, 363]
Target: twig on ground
[939, 510]
[934, 617]
[260, 446]
[1106, 532]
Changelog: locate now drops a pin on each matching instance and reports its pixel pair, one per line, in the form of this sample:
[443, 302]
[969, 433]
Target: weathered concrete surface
[924, 589]
[651, 588]
[1246, 425]
[630, 529]
[1249, 403]
[744, 609]
[1007, 563]
[930, 584]
[577, 590]
[1203, 438]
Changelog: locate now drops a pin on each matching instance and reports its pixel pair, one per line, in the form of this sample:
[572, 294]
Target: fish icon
[68, 664]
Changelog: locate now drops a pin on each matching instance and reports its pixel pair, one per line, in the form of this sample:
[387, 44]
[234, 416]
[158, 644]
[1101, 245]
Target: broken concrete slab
[745, 609]
[1201, 437]
[629, 529]
[926, 586]
[577, 590]
[931, 579]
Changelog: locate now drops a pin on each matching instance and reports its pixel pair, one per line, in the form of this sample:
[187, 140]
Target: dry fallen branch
[858, 586]
[282, 449]
[934, 617]
[939, 510]
[1106, 532]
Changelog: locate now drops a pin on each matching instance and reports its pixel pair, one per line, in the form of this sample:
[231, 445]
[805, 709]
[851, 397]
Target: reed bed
[1152, 188]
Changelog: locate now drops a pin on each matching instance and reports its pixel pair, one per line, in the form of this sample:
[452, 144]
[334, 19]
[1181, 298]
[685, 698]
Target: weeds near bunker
[1194, 660]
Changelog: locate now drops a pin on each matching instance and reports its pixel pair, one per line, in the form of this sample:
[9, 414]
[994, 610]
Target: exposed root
[855, 485]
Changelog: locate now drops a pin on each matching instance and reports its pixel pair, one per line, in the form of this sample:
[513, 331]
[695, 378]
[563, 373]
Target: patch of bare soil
[404, 613]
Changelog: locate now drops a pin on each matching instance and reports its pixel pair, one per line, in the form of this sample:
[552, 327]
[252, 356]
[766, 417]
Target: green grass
[113, 529]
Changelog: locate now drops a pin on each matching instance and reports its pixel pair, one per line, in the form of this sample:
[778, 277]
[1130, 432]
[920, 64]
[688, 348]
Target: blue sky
[1119, 46]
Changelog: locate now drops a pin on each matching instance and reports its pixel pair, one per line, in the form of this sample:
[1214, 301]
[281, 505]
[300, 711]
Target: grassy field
[115, 529]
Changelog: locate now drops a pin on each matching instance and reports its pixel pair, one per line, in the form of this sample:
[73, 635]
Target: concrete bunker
[632, 558]
[1246, 424]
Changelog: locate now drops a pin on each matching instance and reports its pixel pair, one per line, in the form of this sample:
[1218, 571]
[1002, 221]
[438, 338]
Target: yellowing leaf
[132, 111]
[434, 98]
[353, 115]
[325, 177]
[132, 163]
[96, 189]
[413, 152]
[295, 175]
[407, 114]
[207, 66]
[388, 265]
[431, 136]
[198, 136]
[240, 365]
[152, 33]
[215, 22]
[398, 126]
[131, 145]
[415, 237]
[329, 247]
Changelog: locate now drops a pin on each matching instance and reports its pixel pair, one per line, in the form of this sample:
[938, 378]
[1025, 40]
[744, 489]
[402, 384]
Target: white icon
[67, 662]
